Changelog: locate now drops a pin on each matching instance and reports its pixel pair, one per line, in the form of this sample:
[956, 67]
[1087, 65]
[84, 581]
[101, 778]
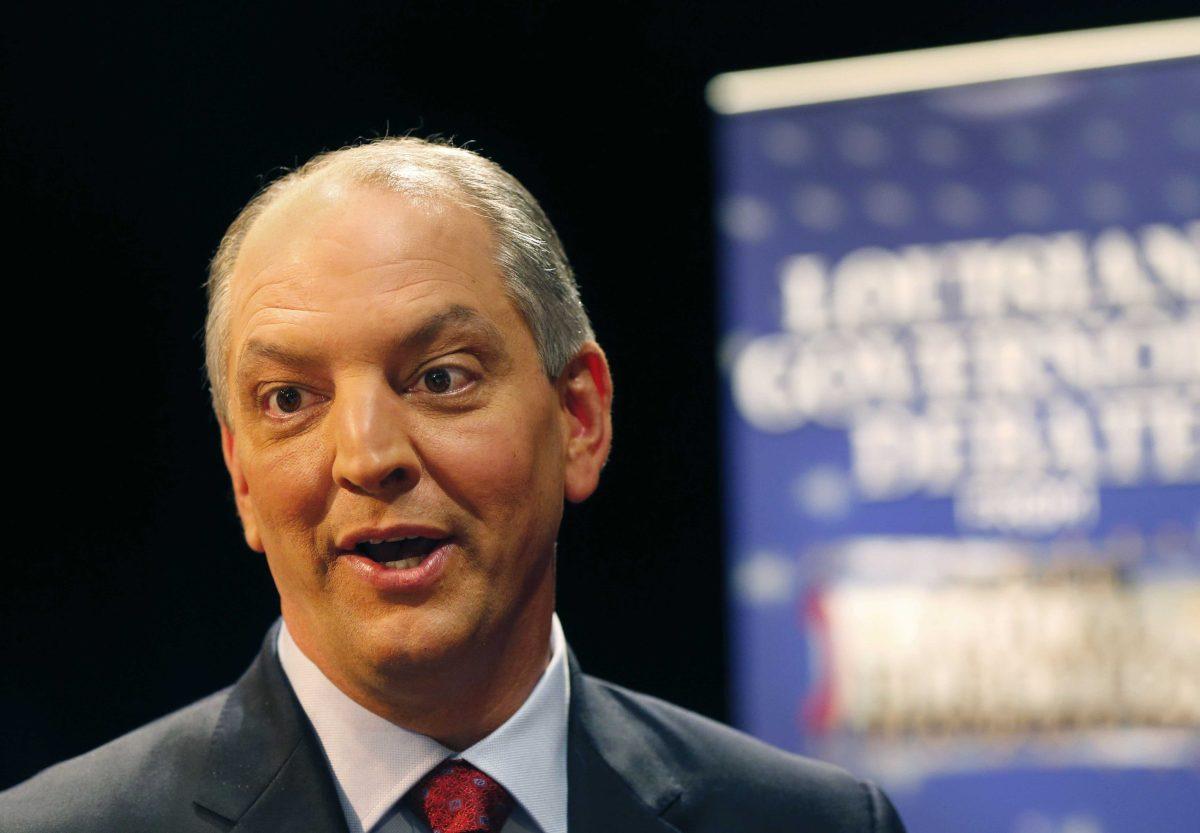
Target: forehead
[332, 225]
[331, 246]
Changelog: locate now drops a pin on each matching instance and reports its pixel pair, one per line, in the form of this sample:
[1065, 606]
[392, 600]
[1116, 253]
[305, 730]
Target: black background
[130, 138]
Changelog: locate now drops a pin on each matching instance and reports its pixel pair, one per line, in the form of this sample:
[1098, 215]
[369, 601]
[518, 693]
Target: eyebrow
[457, 317]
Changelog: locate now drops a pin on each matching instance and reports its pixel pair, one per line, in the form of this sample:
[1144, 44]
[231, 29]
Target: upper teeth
[393, 540]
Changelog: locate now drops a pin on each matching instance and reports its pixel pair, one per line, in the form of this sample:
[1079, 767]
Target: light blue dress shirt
[375, 762]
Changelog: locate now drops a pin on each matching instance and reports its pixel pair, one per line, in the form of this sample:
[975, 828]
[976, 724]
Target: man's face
[383, 386]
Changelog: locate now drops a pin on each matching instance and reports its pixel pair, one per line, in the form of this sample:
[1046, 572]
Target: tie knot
[458, 798]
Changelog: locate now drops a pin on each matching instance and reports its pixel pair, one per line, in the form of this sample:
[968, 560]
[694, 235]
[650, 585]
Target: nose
[374, 453]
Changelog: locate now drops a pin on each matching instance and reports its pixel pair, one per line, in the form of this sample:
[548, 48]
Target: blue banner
[961, 347]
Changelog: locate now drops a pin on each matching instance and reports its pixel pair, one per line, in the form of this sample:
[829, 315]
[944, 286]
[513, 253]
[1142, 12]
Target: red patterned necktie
[458, 798]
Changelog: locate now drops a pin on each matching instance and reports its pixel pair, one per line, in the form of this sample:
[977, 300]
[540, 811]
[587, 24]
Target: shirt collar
[375, 762]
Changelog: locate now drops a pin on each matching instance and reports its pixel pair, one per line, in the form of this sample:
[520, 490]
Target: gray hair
[537, 276]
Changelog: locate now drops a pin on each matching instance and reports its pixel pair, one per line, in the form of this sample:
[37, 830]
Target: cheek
[503, 468]
[289, 488]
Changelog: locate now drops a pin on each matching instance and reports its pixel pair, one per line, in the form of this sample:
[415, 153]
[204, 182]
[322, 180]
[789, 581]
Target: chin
[416, 639]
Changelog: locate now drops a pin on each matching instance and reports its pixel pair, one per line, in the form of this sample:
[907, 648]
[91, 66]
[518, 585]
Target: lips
[403, 561]
[402, 553]
[400, 546]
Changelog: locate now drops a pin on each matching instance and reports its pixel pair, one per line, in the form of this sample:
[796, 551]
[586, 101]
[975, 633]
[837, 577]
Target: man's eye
[444, 379]
[285, 400]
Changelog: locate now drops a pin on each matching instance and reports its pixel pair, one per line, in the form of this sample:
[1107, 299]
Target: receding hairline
[340, 177]
[433, 204]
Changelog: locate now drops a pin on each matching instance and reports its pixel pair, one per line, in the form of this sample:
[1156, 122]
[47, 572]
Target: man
[408, 388]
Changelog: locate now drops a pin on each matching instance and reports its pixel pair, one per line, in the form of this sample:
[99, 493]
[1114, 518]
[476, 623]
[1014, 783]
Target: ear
[585, 392]
[241, 490]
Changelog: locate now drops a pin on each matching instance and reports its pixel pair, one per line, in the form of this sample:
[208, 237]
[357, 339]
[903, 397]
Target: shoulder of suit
[114, 786]
[724, 770]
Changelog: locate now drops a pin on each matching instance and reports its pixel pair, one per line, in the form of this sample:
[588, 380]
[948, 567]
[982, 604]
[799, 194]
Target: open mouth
[400, 553]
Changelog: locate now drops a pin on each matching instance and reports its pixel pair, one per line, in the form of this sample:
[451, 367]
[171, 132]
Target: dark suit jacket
[246, 759]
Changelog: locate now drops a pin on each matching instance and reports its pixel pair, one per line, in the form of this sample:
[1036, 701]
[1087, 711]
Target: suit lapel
[616, 780]
[301, 798]
[265, 768]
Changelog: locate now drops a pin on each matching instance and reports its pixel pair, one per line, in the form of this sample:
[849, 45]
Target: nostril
[395, 476]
